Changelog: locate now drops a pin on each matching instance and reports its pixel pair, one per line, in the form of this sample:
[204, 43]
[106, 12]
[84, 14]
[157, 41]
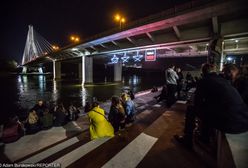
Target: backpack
[11, 133]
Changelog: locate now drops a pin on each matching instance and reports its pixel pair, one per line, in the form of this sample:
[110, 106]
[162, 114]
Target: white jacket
[171, 76]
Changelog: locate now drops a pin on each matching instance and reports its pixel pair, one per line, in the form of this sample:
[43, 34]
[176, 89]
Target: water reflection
[42, 83]
[55, 92]
[32, 88]
[83, 95]
[22, 83]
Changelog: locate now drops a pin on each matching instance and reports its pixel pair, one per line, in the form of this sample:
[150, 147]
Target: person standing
[171, 82]
[179, 82]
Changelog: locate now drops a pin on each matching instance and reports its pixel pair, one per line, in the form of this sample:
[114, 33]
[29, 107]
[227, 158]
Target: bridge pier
[86, 70]
[40, 70]
[118, 72]
[56, 70]
[24, 69]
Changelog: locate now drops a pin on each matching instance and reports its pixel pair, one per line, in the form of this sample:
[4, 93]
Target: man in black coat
[218, 104]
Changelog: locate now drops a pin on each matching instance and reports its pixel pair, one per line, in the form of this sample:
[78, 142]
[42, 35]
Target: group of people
[220, 103]
[174, 86]
[40, 117]
[121, 115]
[43, 117]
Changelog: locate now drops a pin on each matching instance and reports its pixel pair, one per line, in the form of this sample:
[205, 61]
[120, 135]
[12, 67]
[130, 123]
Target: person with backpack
[33, 122]
[99, 125]
[116, 114]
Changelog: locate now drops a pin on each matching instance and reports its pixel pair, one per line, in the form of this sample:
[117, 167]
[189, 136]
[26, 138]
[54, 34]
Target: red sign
[150, 55]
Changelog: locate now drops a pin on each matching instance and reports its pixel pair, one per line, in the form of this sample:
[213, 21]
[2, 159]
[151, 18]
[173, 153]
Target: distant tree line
[8, 65]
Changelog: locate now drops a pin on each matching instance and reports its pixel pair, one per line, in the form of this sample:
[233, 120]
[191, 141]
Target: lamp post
[74, 39]
[55, 47]
[120, 19]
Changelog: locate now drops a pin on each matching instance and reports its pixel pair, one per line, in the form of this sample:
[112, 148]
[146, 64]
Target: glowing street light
[74, 39]
[55, 47]
[120, 19]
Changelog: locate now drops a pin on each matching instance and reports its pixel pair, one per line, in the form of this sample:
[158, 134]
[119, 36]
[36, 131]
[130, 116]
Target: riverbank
[31, 144]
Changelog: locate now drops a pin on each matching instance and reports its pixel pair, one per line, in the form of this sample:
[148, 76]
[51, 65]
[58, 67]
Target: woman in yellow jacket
[99, 126]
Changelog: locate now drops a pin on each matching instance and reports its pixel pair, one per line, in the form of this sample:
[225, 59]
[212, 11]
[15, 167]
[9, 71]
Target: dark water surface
[20, 92]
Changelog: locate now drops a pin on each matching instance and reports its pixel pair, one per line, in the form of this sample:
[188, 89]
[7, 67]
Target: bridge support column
[24, 69]
[117, 72]
[86, 70]
[56, 70]
[223, 56]
[40, 70]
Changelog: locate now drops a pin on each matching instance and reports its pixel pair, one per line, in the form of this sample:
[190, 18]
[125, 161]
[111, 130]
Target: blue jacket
[129, 107]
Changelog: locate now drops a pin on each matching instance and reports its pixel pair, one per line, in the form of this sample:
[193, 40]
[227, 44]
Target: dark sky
[55, 20]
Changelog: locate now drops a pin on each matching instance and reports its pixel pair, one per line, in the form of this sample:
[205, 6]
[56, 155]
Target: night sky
[55, 20]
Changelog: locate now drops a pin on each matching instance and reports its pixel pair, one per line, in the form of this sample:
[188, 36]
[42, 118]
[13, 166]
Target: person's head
[32, 111]
[124, 97]
[115, 100]
[172, 66]
[95, 104]
[230, 71]
[87, 107]
[40, 102]
[178, 69]
[208, 68]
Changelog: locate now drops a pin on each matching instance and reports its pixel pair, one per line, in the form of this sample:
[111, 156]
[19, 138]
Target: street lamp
[120, 19]
[75, 39]
[55, 47]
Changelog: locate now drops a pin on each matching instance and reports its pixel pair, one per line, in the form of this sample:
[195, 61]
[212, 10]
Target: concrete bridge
[208, 28]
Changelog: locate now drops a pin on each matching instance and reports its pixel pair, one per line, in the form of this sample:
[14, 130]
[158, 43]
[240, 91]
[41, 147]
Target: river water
[19, 92]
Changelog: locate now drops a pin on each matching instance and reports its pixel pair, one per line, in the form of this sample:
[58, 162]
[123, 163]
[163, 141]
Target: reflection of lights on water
[83, 95]
[134, 80]
[55, 93]
[42, 82]
[23, 83]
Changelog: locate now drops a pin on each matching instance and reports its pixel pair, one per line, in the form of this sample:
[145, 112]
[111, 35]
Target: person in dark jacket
[238, 79]
[179, 82]
[116, 114]
[60, 115]
[46, 119]
[39, 108]
[218, 104]
[73, 112]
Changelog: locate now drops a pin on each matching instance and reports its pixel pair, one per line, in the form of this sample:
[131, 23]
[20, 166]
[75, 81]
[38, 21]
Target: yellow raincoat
[99, 126]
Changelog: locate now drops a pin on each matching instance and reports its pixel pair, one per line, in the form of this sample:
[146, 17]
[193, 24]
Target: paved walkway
[147, 143]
